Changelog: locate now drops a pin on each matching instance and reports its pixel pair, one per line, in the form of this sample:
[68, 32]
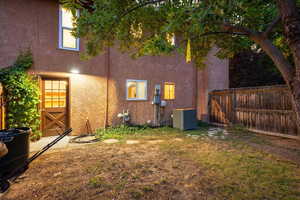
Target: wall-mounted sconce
[74, 71]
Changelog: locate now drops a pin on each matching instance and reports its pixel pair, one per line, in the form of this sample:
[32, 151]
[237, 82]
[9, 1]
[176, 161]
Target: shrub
[21, 95]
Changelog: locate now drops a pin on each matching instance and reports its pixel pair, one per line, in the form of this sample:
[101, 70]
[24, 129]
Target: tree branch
[140, 6]
[223, 32]
[276, 55]
[88, 5]
[133, 9]
[236, 28]
[215, 33]
[271, 26]
[271, 50]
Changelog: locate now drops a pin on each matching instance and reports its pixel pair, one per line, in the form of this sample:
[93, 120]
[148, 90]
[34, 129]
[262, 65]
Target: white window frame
[169, 83]
[60, 40]
[137, 99]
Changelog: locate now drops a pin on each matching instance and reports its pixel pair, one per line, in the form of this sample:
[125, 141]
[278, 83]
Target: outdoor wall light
[74, 71]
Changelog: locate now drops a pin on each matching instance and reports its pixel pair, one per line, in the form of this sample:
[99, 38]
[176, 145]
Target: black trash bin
[18, 150]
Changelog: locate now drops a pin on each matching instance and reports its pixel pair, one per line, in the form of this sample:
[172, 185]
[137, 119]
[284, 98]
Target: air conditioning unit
[185, 119]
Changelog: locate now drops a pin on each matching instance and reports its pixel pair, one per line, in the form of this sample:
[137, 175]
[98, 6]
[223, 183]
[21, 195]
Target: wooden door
[54, 106]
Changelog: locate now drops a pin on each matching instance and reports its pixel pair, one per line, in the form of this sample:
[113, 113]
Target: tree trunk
[285, 69]
[291, 23]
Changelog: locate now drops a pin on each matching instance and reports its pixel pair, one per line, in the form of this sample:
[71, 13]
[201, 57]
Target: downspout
[107, 86]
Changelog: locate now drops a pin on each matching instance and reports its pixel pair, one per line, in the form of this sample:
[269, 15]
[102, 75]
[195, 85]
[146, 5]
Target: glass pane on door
[55, 93]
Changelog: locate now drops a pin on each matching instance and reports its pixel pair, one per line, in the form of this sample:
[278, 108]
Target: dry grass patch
[239, 171]
[177, 167]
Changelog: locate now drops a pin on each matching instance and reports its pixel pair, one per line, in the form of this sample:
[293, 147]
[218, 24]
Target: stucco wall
[156, 70]
[34, 24]
[87, 101]
[215, 76]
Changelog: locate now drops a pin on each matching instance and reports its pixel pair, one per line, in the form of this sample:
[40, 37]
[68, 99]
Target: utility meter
[156, 98]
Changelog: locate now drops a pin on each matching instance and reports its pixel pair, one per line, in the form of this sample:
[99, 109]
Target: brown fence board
[265, 109]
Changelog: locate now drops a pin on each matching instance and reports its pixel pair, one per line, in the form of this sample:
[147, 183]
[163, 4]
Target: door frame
[42, 104]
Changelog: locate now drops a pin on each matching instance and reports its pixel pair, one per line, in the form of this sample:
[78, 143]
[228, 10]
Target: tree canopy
[144, 27]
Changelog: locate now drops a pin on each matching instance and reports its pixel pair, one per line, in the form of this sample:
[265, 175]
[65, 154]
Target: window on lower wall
[169, 91]
[136, 89]
[66, 24]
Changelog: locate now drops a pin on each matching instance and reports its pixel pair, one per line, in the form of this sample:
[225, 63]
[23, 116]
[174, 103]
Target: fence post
[209, 108]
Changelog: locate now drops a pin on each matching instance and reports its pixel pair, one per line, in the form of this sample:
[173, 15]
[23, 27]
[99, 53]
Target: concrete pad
[132, 142]
[63, 143]
[110, 141]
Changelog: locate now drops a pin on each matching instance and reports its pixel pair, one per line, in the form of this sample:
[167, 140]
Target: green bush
[22, 95]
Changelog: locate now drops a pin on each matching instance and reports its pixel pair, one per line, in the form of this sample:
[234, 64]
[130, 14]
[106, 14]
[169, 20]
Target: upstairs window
[66, 25]
[169, 91]
[136, 89]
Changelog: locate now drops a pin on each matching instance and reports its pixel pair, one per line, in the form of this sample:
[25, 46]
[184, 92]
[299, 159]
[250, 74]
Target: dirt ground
[164, 167]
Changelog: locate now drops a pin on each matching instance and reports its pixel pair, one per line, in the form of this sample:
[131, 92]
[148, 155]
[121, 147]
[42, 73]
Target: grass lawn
[165, 164]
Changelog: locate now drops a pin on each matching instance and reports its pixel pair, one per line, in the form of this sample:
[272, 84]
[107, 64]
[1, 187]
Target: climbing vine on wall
[21, 95]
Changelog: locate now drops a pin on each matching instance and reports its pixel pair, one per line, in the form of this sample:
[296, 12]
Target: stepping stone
[211, 134]
[85, 139]
[178, 139]
[111, 141]
[225, 132]
[215, 131]
[195, 137]
[132, 142]
[156, 141]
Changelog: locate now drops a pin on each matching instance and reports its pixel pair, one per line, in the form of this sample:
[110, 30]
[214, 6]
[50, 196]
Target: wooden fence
[262, 109]
[2, 116]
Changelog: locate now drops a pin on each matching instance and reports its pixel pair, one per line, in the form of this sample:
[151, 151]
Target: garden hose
[89, 133]
[78, 141]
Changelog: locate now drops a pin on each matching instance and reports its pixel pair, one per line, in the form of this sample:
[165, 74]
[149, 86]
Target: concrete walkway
[36, 146]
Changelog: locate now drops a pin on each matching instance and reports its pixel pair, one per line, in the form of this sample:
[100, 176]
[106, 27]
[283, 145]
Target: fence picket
[266, 109]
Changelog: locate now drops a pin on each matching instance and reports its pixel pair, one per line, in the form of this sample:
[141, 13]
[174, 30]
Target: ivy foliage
[107, 22]
[22, 95]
